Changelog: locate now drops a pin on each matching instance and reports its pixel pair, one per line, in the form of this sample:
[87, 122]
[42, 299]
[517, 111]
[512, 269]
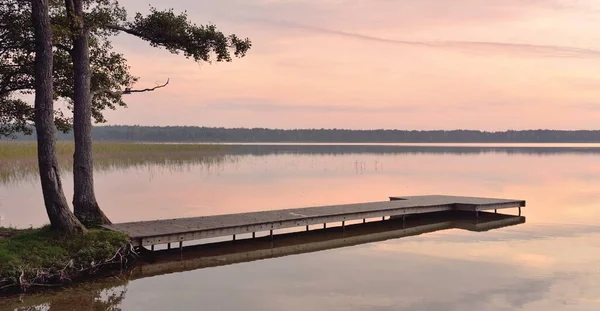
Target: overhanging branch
[126, 30]
[129, 91]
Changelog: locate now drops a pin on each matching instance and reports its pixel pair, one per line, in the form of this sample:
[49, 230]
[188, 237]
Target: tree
[84, 199]
[109, 69]
[60, 215]
[162, 29]
[15, 114]
[17, 51]
[109, 74]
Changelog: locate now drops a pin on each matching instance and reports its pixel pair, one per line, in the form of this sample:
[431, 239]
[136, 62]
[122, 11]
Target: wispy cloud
[252, 105]
[587, 84]
[591, 107]
[269, 106]
[535, 64]
[464, 46]
[520, 293]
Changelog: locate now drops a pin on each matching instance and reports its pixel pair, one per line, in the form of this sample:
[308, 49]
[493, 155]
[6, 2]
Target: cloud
[516, 296]
[464, 46]
[406, 14]
[583, 84]
[591, 107]
[269, 106]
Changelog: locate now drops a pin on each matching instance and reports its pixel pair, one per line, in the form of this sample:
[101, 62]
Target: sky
[378, 64]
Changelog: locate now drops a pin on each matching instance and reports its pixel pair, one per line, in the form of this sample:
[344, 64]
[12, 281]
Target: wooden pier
[149, 233]
[232, 252]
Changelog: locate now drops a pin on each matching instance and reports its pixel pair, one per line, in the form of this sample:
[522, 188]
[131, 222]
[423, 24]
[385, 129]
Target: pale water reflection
[552, 262]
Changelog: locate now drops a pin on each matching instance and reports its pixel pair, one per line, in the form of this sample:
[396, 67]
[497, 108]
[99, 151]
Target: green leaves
[110, 71]
[15, 116]
[177, 34]
[109, 68]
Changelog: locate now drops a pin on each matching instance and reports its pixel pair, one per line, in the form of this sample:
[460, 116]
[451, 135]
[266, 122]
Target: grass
[18, 160]
[30, 251]
[22, 150]
[9, 232]
[35, 252]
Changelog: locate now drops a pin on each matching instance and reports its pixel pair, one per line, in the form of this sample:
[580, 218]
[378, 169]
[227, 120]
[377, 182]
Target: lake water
[550, 262]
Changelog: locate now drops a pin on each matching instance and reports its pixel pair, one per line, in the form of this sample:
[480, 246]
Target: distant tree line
[212, 134]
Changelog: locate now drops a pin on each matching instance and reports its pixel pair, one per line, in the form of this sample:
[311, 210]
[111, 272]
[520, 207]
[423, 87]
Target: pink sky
[364, 64]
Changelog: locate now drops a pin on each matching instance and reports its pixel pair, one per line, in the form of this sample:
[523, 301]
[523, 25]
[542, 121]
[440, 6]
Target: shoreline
[33, 260]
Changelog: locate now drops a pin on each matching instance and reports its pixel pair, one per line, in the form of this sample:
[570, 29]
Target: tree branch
[129, 91]
[126, 30]
[64, 47]
[8, 90]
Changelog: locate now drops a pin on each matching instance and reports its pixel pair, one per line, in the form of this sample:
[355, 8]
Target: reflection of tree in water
[387, 149]
[101, 300]
[104, 296]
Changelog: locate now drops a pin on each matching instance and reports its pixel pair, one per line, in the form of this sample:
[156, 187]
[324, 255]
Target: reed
[18, 160]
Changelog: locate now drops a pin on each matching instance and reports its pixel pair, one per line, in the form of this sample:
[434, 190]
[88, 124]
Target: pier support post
[152, 247]
[324, 225]
[306, 227]
[234, 237]
[168, 245]
[181, 245]
[343, 225]
[271, 233]
[364, 221]
[383, 218]
[253, 235]
[495, 211]
[519, 211]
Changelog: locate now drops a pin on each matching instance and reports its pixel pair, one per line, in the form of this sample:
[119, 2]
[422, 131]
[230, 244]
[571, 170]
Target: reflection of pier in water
[108, 294]
[231, 252]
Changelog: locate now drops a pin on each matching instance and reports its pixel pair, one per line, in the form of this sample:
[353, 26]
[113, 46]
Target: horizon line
[348, 129]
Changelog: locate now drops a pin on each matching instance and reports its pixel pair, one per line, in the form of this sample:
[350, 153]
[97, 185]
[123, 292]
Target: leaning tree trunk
[84, 199]
[60, 215]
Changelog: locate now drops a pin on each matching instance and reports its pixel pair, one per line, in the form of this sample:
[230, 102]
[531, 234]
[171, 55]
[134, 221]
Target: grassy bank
[32, 258]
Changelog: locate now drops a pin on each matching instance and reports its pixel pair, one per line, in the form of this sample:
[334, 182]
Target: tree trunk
[60, 215]
[84, 199]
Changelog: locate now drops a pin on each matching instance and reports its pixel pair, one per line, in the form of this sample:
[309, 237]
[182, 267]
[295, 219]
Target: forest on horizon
[213, 134]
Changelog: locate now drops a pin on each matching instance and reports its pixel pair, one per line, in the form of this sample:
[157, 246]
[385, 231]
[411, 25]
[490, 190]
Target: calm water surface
[551, 262]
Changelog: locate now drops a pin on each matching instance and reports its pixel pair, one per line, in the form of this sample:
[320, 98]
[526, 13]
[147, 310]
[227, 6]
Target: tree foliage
[111, 75]
[15, 114]
[177, 34]
[110, 69]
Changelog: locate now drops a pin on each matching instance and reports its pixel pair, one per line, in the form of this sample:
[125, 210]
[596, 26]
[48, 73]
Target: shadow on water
[109, 294]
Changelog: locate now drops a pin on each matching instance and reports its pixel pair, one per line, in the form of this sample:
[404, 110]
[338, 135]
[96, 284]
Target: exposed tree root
[32, 279]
